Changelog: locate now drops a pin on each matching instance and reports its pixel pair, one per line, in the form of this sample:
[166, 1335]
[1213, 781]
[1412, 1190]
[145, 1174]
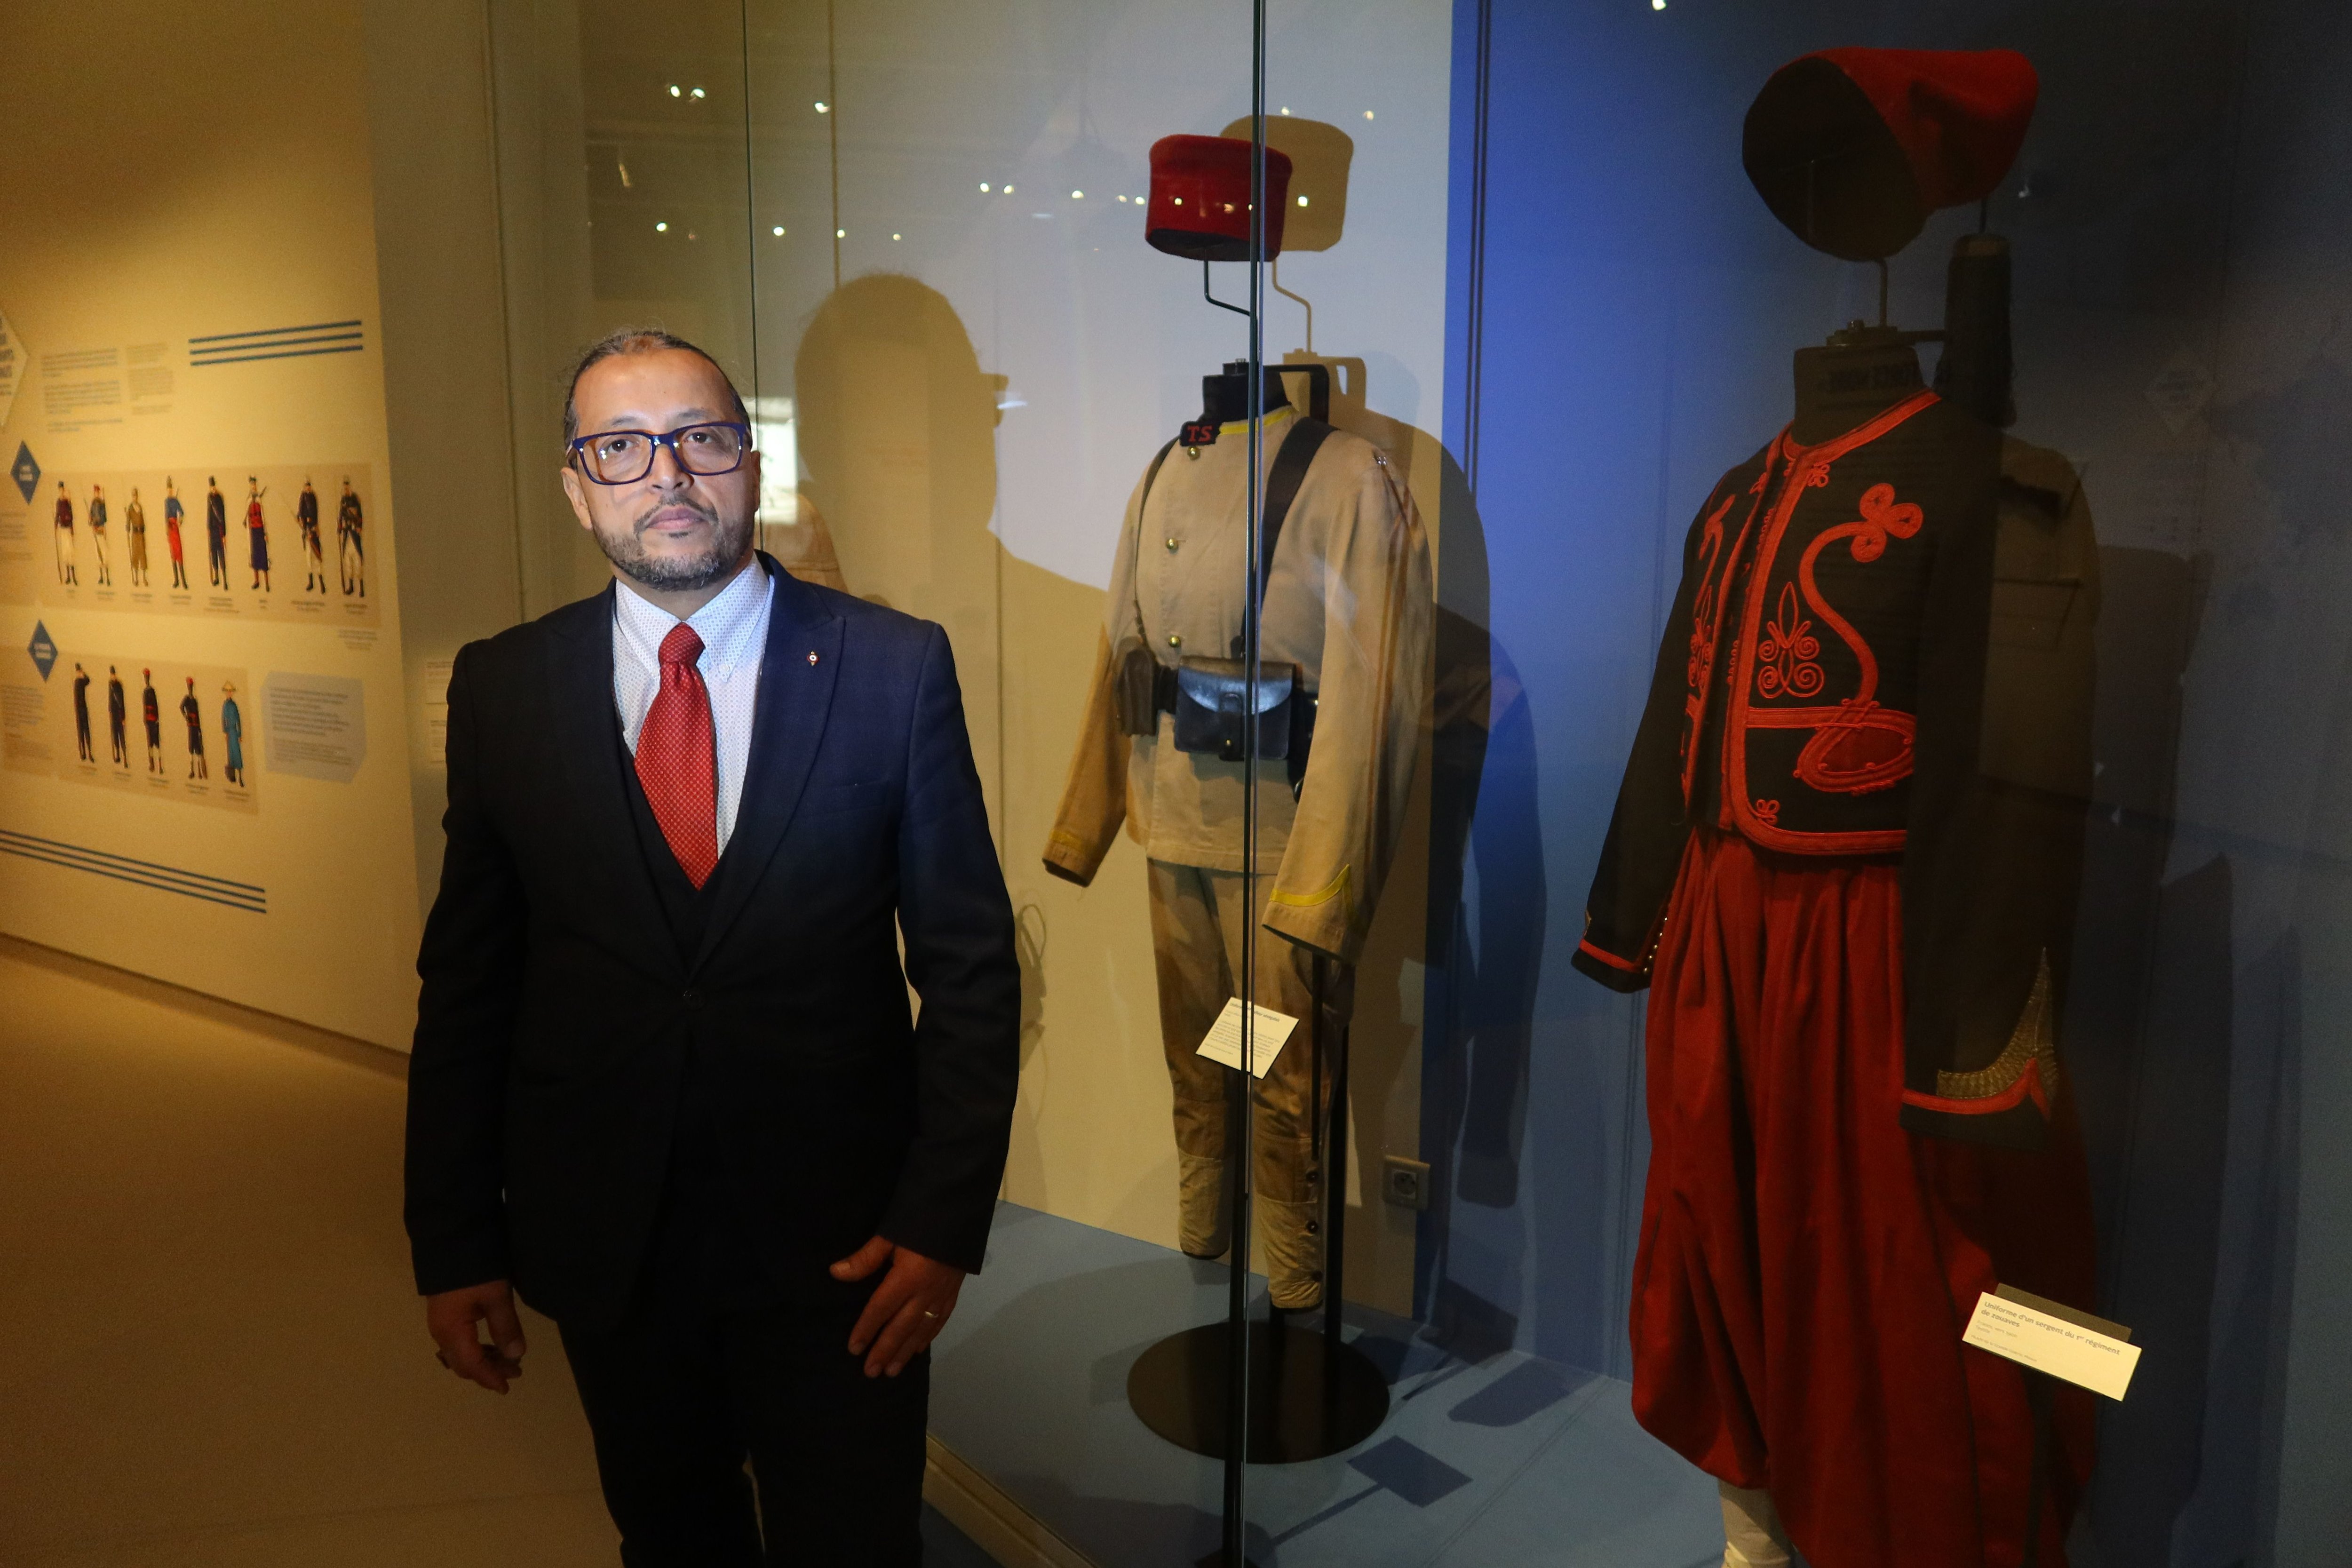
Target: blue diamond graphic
[24, 472]
[44, 651]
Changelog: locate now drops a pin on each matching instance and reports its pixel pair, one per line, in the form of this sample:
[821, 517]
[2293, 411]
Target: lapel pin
[812, 656]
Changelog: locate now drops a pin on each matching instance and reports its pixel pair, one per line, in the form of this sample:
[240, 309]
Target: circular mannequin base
[1308, 1399]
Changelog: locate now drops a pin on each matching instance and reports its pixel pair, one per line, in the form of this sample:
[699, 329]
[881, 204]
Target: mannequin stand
[1308, 1398]
[1310, 1394]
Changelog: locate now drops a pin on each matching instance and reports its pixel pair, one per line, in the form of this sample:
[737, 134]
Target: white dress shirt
[734, 631]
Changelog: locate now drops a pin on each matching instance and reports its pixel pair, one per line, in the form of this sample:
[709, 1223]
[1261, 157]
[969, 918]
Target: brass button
[1172, 544]
[1174, 641]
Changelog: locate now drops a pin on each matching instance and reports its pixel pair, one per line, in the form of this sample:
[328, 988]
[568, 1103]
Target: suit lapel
[797, 671]
[590, 761]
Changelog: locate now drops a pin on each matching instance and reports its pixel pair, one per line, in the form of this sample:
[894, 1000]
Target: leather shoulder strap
[1290, 464]
[1135, 562]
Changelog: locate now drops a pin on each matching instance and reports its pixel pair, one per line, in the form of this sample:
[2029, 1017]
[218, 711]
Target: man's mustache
[646, 518]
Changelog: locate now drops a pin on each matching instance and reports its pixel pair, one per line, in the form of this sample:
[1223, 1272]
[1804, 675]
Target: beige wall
[172, 172]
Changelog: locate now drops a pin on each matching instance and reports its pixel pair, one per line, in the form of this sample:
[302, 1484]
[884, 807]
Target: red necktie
[677, 760]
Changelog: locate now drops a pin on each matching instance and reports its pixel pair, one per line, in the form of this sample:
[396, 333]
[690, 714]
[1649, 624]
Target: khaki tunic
[1348, 600]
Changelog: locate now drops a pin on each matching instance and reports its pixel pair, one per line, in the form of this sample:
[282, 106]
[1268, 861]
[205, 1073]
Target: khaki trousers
[1199, 921]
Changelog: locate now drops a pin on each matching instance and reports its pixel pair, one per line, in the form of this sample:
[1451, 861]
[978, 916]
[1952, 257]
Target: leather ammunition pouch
[1215, 707]
[1209, 697]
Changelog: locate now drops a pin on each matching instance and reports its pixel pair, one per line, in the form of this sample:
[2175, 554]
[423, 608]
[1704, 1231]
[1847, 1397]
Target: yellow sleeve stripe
[1336, 889]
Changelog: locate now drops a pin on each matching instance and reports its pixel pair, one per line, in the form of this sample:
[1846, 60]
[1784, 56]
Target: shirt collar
[729, 626]
[1241, 426]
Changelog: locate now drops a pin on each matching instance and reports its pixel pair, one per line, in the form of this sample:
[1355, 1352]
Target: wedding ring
[934, 1316]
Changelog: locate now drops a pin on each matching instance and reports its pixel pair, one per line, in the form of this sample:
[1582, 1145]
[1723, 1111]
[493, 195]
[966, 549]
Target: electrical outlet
[1405, 1183]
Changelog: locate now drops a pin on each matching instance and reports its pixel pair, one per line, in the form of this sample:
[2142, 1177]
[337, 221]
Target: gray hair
[636, 340]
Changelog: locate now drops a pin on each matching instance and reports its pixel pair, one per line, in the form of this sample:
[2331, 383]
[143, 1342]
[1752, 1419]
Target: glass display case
[1729, 622]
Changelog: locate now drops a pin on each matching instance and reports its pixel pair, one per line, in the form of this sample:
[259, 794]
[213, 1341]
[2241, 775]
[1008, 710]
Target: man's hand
[907, 1310]
[450, 1317]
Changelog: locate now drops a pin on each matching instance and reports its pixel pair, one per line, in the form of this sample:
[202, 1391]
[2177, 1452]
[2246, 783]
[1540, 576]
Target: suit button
[693, 1000]
[1175, 642]
[1172, 544]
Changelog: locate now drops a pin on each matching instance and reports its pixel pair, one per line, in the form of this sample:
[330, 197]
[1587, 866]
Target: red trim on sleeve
[2028, 1085]
[1610, 958]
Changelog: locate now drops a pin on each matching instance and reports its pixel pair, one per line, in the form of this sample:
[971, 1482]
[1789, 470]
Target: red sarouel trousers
[1807, 1266]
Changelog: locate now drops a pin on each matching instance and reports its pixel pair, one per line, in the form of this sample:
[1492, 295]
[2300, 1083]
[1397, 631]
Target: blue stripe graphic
[274, 332]
[139, 873]
[292, 354]
[273, 344]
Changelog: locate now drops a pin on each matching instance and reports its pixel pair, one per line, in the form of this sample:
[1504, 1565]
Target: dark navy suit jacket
[559, 1010]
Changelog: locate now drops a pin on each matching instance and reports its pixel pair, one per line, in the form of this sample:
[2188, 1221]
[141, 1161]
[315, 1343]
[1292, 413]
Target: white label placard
[2031, 1337]
[1224, 1042]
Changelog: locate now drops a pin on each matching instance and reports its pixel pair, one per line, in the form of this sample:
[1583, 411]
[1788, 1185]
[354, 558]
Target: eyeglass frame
[576, 449]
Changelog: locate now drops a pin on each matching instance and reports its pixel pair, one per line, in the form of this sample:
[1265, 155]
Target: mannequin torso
[1860, 372]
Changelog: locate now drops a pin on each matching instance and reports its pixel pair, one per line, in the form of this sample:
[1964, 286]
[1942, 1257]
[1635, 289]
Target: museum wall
[188, 271]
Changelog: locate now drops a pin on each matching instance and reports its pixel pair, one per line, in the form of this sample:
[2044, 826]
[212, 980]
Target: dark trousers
[704, 1375]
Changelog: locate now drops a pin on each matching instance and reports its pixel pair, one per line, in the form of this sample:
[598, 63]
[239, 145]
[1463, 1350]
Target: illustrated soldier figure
[193, 712]
[151, 713]
[216, 532]
[232, 735]
[134, 527]
[64, 536]
[171, 512]
[350, 551]
[98, 534]
[314, 560]
[81, 713]
[117, 713]
[260, 535]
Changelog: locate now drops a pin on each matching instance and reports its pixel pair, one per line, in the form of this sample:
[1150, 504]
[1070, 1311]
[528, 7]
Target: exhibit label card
[2053, 1339]
[1269, 1030]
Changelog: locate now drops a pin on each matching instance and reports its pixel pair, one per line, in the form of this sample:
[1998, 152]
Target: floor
[215, 1355]
[1504, 1460]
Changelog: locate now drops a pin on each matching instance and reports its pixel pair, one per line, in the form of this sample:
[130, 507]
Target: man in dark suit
[665, 1083]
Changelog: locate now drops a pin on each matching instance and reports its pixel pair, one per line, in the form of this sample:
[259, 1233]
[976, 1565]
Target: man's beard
[704, 569]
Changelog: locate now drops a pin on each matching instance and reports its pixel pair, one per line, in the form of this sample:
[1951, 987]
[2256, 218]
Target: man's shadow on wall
[896, 424]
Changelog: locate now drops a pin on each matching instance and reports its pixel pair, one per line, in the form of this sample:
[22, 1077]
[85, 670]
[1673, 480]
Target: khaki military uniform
[1348, 599]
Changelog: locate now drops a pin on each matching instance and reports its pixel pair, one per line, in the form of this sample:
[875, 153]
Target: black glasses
[624, 457]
